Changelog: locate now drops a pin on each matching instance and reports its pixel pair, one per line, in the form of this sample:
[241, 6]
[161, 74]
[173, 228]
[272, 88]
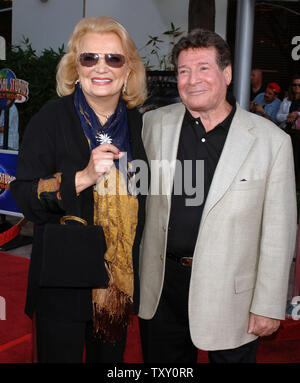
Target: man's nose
[195, 76]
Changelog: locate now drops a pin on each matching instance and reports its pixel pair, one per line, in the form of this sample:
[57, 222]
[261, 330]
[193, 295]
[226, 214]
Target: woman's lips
[101, 81]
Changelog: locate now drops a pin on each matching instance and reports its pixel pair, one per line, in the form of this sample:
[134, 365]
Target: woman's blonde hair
[67, 73]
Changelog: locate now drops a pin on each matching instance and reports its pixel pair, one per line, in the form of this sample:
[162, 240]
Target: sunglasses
[114, 60]
[296, 85]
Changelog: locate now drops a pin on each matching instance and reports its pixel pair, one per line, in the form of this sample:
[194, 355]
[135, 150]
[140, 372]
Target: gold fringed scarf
[116, 211]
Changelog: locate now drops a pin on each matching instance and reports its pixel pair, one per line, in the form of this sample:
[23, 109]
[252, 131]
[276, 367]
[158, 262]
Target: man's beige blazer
[247, 234]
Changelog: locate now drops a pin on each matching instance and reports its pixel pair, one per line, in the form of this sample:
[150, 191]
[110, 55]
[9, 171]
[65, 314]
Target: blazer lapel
[237, 146]
[171, 128]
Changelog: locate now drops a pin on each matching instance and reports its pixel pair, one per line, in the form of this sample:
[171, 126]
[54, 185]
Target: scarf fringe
[110, 319]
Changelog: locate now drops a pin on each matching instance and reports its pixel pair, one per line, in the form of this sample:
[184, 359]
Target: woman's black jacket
[55, 142]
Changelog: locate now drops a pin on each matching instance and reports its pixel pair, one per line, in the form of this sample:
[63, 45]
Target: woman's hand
[101, 160]
[291, 117]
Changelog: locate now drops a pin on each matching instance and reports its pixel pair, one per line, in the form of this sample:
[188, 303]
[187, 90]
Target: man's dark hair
[203, 38]
[291, 94]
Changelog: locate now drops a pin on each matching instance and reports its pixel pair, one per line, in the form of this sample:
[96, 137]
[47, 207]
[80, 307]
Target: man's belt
[184, 261]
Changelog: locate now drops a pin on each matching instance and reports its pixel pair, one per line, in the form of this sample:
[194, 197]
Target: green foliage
[155, 43]
[174, 32]
[38, 71]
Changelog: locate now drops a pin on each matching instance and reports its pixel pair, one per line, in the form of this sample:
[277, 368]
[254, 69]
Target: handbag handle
[72, 218]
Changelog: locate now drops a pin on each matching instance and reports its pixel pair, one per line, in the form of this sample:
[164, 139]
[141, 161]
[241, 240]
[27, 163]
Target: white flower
[103, 138]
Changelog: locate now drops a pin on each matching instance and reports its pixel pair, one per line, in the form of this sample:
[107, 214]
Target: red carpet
[16, 330]
[282, 347]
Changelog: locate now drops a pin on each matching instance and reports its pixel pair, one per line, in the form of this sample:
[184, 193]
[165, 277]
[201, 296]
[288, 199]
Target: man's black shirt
[194, 144]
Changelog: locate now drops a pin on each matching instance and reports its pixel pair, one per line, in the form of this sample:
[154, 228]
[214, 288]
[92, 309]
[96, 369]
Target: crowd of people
[266, 100]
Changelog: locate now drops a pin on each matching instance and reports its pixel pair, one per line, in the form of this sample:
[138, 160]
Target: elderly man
[257, 85]
[267, 104]
[215, 258]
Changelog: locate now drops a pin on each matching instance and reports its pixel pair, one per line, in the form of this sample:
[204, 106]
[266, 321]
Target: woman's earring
[124, 87]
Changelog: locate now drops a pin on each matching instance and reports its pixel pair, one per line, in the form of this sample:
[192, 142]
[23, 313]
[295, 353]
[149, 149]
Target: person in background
[288, 117]
[257, 84]
[267, 104]
[215, 257]
[70, 152]
[289, 110]
[13, 131]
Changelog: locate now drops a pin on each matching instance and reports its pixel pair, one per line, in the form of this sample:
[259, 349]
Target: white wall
[142, 18]
[47, 24]
[50, 24]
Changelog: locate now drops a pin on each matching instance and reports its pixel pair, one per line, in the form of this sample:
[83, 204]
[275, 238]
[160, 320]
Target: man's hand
[259, 109]
[262, 326]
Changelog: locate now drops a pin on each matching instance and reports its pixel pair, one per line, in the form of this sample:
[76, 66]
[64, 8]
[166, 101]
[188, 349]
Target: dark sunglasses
[114, 60]
[296, 84]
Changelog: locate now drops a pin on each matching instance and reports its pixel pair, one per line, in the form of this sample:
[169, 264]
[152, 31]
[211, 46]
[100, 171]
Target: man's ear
[228, 74]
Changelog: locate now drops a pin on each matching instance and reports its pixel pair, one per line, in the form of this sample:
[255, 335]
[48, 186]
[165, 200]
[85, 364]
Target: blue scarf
[117, 214]
[116, 127]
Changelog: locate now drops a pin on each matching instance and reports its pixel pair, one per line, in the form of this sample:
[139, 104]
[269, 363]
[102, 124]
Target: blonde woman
[70, 150]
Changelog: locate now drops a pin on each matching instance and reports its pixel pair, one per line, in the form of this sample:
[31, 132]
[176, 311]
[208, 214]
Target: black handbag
[73, 255]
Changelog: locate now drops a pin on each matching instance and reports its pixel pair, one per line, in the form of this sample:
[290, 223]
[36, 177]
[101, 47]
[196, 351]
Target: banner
[12, 89]
[8, 166]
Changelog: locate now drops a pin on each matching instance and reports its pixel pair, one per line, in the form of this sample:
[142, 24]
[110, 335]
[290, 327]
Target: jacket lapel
[171, 128]
[237, 146]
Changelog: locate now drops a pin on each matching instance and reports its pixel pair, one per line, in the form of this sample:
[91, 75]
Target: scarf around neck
[116, 210]
[116, 127]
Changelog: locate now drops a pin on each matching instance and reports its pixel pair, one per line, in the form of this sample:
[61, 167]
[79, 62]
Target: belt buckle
[186, 261]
